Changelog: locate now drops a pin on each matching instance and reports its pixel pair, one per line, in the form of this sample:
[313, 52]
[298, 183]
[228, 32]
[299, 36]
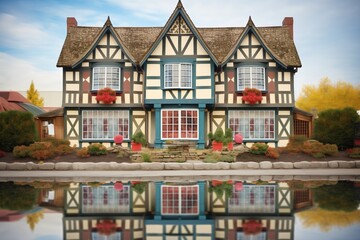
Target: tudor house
[180, 82]
[179, 210]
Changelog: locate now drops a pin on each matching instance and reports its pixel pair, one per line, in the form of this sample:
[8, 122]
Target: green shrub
[97, 149]
[330, 149]
[63, 150]
[138, 187]
[219, 135]
[319, 150]
[259, 148]
[42, 150]
[18, 128]
[228, 137]
[227, 158]
[57, 142]
[139, 137]
[146, 157]
[21, 151]
[337, 126]
[296, 142]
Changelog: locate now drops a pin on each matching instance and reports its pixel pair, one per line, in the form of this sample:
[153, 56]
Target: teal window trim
[253, 67]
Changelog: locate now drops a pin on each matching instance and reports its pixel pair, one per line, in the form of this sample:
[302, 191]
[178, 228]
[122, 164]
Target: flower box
[106, 96]
[252, 96]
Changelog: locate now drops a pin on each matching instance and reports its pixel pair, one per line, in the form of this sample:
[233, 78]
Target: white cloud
[16, 74]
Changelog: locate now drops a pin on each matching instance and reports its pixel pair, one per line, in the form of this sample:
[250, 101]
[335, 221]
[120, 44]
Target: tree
[16, 197]
[329, 95]
[34, 97]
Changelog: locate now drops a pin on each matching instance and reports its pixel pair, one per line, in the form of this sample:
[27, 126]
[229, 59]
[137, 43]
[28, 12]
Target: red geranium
[252, 95]
[106, 95]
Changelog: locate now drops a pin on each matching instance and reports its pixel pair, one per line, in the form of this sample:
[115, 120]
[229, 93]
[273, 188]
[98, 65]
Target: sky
[32, 32]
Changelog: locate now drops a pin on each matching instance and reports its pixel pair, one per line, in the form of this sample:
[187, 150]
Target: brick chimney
[289, 22]
[71, 22]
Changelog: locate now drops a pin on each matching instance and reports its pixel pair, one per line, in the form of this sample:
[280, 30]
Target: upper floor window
[180, 200]
[250, 77]
[178, 75]
[106, 77]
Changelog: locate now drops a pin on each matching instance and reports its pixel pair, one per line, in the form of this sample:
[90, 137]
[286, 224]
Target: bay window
[180, 200]
[253, 125]
[250, 77]
[179, 124]
[106, 77]
[104, 124]
[178, 75]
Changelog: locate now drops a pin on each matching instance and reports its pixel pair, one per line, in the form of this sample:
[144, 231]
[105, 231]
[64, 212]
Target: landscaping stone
[16, 166]
[205, 166]
[253, 165]
[346, 164]
[238, 165]
[265, 164]
[83, 166]
[302, 164]
[333, 164]
[46, 166]
[63, 166]
[152, 166]
[179, 166]
[32, 166]
[3, 165]
[129, 166]
[357, 164]
[283, 165]
[318, 165]
[266, 178]
[102, 166]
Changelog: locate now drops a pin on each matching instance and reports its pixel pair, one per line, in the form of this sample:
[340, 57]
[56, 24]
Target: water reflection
[182, 210]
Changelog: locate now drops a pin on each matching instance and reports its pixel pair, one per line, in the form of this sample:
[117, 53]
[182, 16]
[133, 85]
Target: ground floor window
[179, 124]
[105, 199]
[253, 199]
[180, 200]
[104, 124]
[253, 124]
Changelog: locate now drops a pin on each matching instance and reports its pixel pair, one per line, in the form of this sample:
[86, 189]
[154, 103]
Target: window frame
[252, 79]
[93, 72]
[180, 200]
[236, 116]
[179, 124]
[116, 116]
[179, 70]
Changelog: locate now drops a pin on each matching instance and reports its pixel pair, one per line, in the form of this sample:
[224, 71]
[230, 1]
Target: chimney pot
[289, 22]
[71, 22]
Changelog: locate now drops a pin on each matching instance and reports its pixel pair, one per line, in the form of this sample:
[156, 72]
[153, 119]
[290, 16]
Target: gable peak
[250, 22]
[179, 4]
[108, 22]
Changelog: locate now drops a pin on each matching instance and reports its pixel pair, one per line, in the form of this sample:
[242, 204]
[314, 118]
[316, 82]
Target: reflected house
[186, 210]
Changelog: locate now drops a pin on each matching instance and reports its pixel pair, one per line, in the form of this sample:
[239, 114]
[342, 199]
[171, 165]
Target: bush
[146, 157]
[57, 142]
[330, 149]
[97, 149]
[337, 126]
[21, 151]
[319, 150]
[272, 153]
[83, 153]
[139, 137]
[63, 150]
[42, 150]
[296, 142]
[259, 148]
[353, 153]
[18, 128]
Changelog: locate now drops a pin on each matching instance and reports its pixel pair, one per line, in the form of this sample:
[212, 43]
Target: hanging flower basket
[106, 96]
[252, 227]
[106, 227]
[252, 96]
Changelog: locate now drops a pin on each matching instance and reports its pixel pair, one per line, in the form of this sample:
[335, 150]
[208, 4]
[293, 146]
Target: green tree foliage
[329, 95]
[339, 197]
[337, 126]
[17, 197]
[33, 96]
[16, 128]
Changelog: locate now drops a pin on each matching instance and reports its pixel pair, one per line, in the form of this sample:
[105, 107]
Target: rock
[333, 164]
[283, 165]
[204, 166]
[265, 164]
[238, 165]
[102, 166]
[129, 166]
[3, 165]
[63, 166]
[32, 166]
[152, 166]
[83, 166]
[179, 166]
[357, 164]
[346, 164]
[16, 166]
[253, 165]
[46, 166]
[302, 164]
[319, 165]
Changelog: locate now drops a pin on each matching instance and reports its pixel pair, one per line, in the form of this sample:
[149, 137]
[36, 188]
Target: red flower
[215, 183]
[252, 95]
[106, 95]
[106, 227]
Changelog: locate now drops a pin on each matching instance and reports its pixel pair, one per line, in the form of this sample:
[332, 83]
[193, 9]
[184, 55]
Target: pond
[180, 209]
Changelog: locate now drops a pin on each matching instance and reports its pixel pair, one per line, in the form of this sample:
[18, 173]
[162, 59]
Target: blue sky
[326, 32]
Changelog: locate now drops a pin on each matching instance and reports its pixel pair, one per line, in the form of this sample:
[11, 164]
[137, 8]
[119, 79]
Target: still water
[203, 209]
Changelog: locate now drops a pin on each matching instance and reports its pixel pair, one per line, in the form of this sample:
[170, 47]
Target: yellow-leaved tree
[329, 95]
[33, 96]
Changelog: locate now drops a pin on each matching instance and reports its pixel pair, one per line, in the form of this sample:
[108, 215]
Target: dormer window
[178, 75]
[106, 77]
[250, 77]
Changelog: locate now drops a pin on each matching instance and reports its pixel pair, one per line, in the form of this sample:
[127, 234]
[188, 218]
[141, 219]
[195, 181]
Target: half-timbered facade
[179, 210]
[179, 82]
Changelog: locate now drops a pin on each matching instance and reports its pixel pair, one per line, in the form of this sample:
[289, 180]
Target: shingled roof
[220, 41]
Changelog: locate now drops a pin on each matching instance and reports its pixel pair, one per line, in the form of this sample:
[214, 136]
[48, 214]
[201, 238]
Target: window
[105, 199]
[253, 199]
[104, 125]
[179, 124]
[244, 236]
[250, 77]
[176, 200]
[178, 75]
[253, 124]
[106, 77]
[99, 236]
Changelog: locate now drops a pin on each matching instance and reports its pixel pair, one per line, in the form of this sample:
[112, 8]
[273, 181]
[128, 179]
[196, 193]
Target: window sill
[94, 92]
[241, 92]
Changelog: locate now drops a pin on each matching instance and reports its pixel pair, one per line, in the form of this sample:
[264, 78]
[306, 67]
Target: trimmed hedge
[16, 128]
